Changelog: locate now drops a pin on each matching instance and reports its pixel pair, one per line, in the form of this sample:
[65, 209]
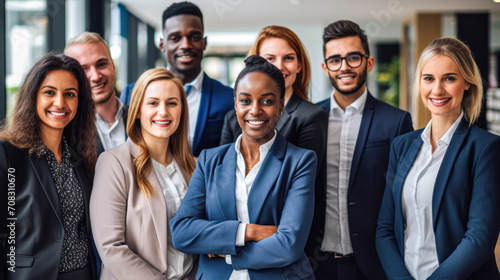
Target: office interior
[398, 30]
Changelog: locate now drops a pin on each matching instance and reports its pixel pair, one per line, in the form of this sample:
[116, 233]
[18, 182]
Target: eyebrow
[446, 74]
[47, 86]
[157, 98]
[348, 54]
[264, 94]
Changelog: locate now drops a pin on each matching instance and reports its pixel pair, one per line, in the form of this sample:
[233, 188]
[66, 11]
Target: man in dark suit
[93, 53]
[360, 130]
[208, 100]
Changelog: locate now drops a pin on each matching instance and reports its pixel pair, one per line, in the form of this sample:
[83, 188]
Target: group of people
[181, 177]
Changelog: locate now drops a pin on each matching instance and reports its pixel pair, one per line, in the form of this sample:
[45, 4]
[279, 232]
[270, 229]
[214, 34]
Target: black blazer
[380, 124]
[98, 143]
[39, 230]
[302, 124]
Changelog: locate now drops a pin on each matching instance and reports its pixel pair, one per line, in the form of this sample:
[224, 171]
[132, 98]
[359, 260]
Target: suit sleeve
[313, 134]
[406, 124]
[228, 130]
[386, 243]
[192, 232]
[483, 227]
[287, 244]
[108, 212]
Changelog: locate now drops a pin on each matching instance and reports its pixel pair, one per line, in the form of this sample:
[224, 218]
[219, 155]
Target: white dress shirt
[420, 253]
[193, 103]
[174, 190]
[343, 128]
[242, 189]
[114, 135]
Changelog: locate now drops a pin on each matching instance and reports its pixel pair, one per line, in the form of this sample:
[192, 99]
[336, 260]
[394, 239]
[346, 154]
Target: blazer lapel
[206, 94]
[266, 178]
[42, 171]
[292, 104]
[364, 129]
[225, 175]
[156, 203]
[447, 165]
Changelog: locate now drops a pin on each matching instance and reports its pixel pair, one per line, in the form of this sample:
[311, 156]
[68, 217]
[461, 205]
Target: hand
[256, 232]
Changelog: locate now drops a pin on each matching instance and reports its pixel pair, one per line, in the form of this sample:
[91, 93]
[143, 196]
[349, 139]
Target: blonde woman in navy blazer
[452, 231]
[279, 202]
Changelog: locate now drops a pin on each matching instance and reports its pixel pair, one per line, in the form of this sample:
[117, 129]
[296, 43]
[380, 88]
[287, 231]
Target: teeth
[98, 87]
[185, 55]
[440, 100]
[162, 123]
[255, 122]
[57, 114]
[346, 78]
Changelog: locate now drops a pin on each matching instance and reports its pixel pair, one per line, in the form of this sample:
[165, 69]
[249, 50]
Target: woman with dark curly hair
[47, 158]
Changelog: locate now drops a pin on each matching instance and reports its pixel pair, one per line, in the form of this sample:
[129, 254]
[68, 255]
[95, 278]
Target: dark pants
[338, 269]
[80, 274]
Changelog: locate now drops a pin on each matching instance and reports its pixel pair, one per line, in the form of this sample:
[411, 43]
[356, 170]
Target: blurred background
[398, 30]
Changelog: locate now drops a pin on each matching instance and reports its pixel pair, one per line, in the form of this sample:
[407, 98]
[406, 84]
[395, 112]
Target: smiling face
[280, 53]
[258, 105]
[57, 101]
[160, 111]
[183, 45]
[348, 80]
[99, 68]
[442, 87]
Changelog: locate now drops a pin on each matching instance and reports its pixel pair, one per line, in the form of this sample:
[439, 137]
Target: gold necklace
[249, 167]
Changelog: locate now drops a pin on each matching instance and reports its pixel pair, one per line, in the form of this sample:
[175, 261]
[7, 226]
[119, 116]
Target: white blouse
[420, 253]
[174, 190]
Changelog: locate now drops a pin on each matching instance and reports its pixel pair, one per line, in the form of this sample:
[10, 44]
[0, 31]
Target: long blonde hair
[461, 55]
[178, 143]
[301, 84]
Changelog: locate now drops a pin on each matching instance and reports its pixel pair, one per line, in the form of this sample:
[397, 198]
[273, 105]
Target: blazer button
[58, 240]
[352, 203]
[355, 234]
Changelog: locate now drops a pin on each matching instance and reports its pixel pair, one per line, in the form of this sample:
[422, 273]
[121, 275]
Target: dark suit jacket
[380, 124]
[98, 142]
[216, 100]
[39, 229]
[465, 206]
[302, 124]
[282, 195]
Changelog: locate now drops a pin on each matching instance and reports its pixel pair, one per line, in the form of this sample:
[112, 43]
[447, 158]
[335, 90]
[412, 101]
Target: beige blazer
[130, 231]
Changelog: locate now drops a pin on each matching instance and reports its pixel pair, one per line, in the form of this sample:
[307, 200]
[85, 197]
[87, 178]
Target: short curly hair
[181, 8]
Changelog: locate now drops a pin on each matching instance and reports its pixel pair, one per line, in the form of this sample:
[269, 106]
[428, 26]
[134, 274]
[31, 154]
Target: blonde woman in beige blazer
[138, 186]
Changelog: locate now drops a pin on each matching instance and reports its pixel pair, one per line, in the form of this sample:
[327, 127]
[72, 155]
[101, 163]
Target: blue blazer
[380, 124]
[282, 195]
[465, 206]
[216, 100]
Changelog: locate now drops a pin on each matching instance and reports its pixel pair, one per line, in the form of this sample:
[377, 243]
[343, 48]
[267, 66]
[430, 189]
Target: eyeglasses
[353, 60]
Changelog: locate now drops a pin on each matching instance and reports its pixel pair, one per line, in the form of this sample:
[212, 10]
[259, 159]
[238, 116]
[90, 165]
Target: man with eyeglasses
[360, 130]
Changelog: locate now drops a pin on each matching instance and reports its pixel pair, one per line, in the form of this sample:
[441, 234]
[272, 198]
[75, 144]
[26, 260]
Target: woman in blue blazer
[249, 205]
[440, 217]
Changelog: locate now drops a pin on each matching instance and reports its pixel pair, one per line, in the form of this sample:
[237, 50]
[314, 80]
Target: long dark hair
[22, 126]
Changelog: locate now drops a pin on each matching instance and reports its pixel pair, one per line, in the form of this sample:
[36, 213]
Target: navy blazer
[281, 195]
[380, 124]
[216, 100]
[39, 229]
[465, 206]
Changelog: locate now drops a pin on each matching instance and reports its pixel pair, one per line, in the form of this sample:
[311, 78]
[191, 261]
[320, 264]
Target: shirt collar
[196, 83]
[263, 149]
[446, 139]
[358, 104]
[45, 151]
